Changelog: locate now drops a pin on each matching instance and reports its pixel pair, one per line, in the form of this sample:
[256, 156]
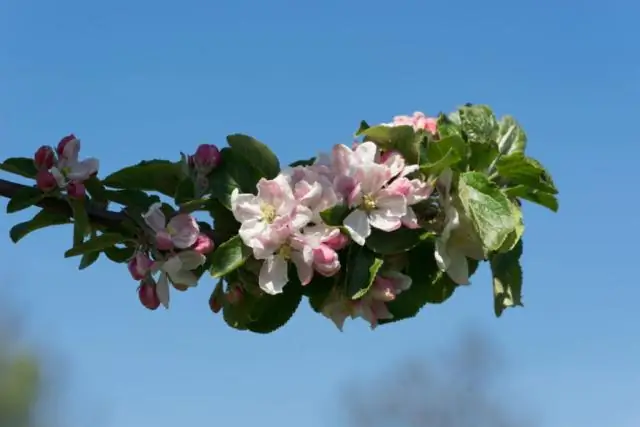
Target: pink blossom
[203, 244]
[45, 181]
[177, 269]
[325, 259]
[274, 274]
[418, 121]
[205, 159]
[337, 240]
[312, 189]
[268, 218]
[69, 168]
[44, 158]
[182, 230]
[139, 266]
[414, 191]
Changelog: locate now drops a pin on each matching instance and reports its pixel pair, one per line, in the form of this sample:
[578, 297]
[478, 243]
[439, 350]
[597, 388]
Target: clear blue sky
[143, 79]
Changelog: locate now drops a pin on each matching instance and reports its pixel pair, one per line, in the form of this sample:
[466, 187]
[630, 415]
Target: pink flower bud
[44, 157]
[204, 244]
[337, 242]
[206, 158]
[164, 242]
[76, 190]
[139, 266]
[326, 260]
[63, 143]
[45, 180]
[148, 295]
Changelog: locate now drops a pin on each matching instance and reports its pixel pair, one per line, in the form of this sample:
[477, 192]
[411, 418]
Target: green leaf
[483, 156]
[233, 172]
[307, 162]
[41, 220]
[428, 284]
[521, 170]
[228, 257]
[185, 191]
[479, 124]
[119, 255]
[100, 243]
[137, 198]
[162, 176]
[515, 236]
[447, 126]
[256, 154]
[363, 126]
[271, 312]
[362, 268]
[81, 223]
[487, 207]
[96, 190]
[390, 137]
[507, 279]
[223, 220]
[22, 166]
[335, 216]
[88, 259]
[24, 198]
[395, 242]
[511, 137]
[541, 198]
[443, 154]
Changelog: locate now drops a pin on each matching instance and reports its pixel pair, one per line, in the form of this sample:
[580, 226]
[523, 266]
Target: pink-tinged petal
[355, 197]
[162, 290]
[301, 216]
[164, 242]
[155, 218]
[401, 282]
[277, 193]
[410, 220]
[337, 241]
[273, 275]
[357, 224]
[59, 177]
[395, 162]
[184, 230]
[245, 207]
[251, 229]
[392, 205]
[383, 222]
[366, 152]
[71, 150]
[303, 267]
[400, 186]
[204, 244]
[372, 177]
[83, 170]
[342, 159]
[191, 260]
[420, 191]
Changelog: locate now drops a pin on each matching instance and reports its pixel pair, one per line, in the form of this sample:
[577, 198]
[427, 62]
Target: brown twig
[103, 217]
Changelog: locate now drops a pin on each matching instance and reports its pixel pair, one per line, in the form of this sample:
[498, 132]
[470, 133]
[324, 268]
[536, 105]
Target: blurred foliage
[19, 386]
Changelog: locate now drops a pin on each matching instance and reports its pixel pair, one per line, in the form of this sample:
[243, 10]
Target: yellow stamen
[268, 213]
[368, 203]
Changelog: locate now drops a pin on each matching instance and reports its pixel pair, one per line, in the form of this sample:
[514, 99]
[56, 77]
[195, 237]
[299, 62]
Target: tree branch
[103, 217]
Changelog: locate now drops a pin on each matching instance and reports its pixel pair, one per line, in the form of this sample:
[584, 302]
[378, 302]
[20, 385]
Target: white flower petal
[245, 206]
[59, 177]
[384, 222]
[83, 170]
[183, 277]
[162, 290]
[357, 224]
[191, 259]
[391, 204]
[273, 275]
[366, 152]
[252, 229]
[155, 218]
[458, 269]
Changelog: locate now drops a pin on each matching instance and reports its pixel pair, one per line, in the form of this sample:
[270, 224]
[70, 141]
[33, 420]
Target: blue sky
[144, 79]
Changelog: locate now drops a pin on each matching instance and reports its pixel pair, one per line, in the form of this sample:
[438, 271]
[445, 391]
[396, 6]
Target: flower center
[368, 203]
[285, 252]
[268, 213]
[171, 230]
[65, 171]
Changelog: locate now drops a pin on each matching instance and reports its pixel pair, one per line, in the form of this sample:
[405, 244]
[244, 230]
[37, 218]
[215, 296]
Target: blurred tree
[455, 391]
[19, 386]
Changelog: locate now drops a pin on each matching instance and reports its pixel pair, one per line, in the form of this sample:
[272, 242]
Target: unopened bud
[76, 190]
[204, 244]
[63, 143]
[44, 158]
[139, 266]
[337, 242]
[148, 295]
[45, 181]
[205, 159]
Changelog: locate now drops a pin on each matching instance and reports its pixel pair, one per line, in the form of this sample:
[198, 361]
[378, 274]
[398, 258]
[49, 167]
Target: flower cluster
[180, 248]
[61, 168]
[283, 223]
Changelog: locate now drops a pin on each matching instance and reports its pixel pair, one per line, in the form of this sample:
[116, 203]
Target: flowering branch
[374, 230]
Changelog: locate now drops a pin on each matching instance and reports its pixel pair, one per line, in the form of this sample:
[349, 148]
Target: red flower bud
[206, 158]
[148, 295]
[76, 190]
[45, 180]
[63, 142]
[44, 157]
[204, 244]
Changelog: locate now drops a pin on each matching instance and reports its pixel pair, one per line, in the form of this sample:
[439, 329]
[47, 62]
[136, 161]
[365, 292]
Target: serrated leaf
[41, 220]
[361, 270]
[96, 189]
[541, 198]
[521, 170]
[443, 154]
[507, 279]
[228, 257]
[478, 123]
[24, 198]
[271, 312]
[511, 137]
[22, 166]
[487, 207]
[256, 154]
[233, 172]
[162, 176]
[307, 162]
[99, 243]
[388, 137]
[515, 236]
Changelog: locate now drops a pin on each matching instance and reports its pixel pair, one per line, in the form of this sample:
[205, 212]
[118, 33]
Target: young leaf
[22, 166]
[81, 223]
[487, 207]
[443, 154]
[335, 216]
[521, 170]
[24, 198]
[233, 172]
[361, 270]
[228, 257]
[96, 190]
[389, 137]
[478, 123]
[99, 243]
[395, 242]
[541, 198]
[515, 236]
[507, 279]
[162, 176]
[41, 220]
[88, 259]
[256, 154]
[119, 255]
[511, 137]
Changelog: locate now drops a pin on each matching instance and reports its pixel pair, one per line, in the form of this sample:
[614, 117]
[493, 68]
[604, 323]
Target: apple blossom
[177, 269]
[44, 158]
[45, 181]
[68, 167]
[140, 265]
[204, 244]
[181, 231]
[418, 121]
[312, 189]
[205, 159]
